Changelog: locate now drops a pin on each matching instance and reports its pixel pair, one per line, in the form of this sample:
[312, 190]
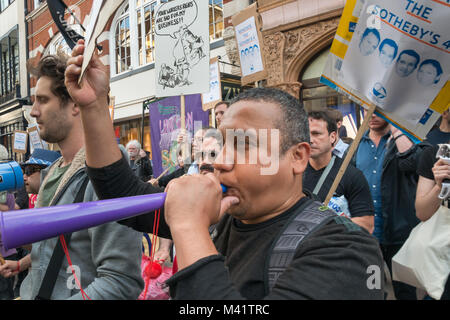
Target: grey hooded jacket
[106, 259]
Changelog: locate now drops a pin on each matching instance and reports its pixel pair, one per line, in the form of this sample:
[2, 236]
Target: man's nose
[34, 111]
[222, 162]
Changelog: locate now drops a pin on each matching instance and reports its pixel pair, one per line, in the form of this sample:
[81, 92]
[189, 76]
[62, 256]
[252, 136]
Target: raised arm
[91, 96]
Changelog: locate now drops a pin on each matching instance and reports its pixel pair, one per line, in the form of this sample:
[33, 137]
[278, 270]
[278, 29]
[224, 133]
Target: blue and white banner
[396, 57]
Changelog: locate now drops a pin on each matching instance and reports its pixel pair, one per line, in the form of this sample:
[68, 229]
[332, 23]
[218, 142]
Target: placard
[20, 141]
[394, 54]
[181, 48]
[210, 99]
[250, 45]
[35, 139]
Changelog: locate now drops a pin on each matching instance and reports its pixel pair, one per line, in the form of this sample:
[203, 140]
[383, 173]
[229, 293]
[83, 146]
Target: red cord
[152, 251]
[66, 251]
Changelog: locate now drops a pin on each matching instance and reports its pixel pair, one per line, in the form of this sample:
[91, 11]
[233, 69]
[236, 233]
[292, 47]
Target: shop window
[215, 19]
[132, 130]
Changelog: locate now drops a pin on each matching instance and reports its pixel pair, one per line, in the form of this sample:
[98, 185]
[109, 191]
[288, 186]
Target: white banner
[215, 93]
[249, 47]
[397, 58]
[182, 48]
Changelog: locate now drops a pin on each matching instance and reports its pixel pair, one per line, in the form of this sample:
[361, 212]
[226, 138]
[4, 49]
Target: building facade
[297, 39]
[128, 47]
[14, 92]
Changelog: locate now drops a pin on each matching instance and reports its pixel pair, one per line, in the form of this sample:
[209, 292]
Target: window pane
[215, 19]
[123, 45]
[139, 29]
[150, 31]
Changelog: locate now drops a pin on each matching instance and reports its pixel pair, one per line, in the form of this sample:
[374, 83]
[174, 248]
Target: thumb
[226, 203]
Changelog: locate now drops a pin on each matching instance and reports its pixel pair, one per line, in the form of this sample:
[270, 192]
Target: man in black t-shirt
[440, 134]
[352, 196]
[336, 260]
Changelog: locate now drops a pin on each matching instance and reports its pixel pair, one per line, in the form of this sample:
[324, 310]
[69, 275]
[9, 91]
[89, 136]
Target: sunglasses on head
[30, 169]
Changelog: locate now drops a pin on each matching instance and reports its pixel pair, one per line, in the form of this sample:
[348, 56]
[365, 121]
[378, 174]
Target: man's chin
[236, 211]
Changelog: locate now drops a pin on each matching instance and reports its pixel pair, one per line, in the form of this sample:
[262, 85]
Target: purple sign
[165, 124]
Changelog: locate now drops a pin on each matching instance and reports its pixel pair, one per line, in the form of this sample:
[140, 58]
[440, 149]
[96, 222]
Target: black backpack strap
[311, 215]
[49, 281]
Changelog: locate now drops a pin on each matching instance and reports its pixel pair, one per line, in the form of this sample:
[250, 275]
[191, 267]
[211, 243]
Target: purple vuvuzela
[21, 227]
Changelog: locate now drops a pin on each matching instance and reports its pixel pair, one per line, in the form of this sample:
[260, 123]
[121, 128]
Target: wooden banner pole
[164, 172]
[183, 124]
[351, 152]
[213, 117]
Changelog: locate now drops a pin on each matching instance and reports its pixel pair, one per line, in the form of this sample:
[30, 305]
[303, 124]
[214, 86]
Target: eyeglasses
[29, 170]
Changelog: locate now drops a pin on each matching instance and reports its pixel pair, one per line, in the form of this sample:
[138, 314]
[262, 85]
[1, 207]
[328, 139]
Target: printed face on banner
[182, 48]
[402, 62]
[249, 47]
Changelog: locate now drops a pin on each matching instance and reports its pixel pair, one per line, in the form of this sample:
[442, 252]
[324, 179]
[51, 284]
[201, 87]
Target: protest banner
[395, 55]
[20, 141]
[214, 95]
[57, 10]
[247, 25]
[101, 13]
[165, 124]
[35, 139]
[181, 48]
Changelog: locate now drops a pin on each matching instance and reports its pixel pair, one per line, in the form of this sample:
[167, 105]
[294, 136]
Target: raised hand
[94, 87]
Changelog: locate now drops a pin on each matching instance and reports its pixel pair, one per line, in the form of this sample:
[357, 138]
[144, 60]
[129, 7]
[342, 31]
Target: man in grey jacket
[106, 259]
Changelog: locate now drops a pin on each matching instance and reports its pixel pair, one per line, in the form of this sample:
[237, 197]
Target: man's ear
[333, 137]
[300, 157]
[75, 109]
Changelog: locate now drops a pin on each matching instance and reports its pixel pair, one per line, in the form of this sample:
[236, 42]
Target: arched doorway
[316, 95]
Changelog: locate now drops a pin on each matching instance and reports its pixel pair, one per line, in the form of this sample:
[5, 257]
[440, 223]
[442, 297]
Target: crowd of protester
[224, 245]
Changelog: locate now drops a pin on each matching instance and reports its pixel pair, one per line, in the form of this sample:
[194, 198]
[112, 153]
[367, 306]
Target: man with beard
[139, 163]
[389, 161]
[108, 257]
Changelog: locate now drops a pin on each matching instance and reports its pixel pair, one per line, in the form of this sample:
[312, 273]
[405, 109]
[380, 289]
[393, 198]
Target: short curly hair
[53, 67]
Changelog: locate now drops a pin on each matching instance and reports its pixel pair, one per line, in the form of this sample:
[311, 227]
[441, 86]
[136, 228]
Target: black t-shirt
[426, 163]
[353, 186]
[330, 263]
[437, 136]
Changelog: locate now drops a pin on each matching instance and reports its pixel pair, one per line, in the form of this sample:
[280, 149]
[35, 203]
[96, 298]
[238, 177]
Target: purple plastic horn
[21, 227]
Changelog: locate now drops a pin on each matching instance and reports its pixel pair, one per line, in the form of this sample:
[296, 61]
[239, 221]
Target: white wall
[298, 10]
[131, 91]
[9, 18]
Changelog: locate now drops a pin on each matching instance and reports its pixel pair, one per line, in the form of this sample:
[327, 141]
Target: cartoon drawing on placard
[186, 49]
